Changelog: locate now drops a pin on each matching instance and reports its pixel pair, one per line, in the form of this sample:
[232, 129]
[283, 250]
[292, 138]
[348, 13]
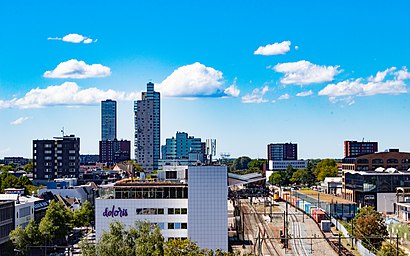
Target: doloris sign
[114, 212]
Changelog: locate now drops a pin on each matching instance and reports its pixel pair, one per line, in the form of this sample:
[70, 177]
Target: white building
[23, 208]
[283, 165]
[196, 209]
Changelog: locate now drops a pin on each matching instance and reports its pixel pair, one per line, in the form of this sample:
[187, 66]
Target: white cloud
[304, 94]
[78, 69]
[74, 38]
[20, 120]
[284, 97]
[256, 96]
[232, 90]
[273, 49]
[66, 94]
[196, 80]
[381, 75]
[373, 85]
[303, 72]
[403, 74]
[296, 47]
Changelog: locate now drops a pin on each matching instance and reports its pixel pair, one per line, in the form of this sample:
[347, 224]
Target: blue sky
[226, 71]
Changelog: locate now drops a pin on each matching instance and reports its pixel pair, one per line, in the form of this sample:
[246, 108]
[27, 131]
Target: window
[184, 225]
[177, 225]
[377, 161]
[161, 225]
[170, 225]
[392, 161]
[170, 210]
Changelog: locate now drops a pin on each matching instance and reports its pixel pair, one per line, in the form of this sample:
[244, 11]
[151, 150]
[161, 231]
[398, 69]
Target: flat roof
[325, 197]
[147, 183]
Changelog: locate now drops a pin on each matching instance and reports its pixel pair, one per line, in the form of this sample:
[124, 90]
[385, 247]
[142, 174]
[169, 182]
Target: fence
[360, 248]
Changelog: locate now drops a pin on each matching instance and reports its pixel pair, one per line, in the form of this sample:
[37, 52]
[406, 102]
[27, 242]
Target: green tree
[241, 163]
[282, 177]
[20, 239]
[28, 167]
[56, 224]
[83, 216]
[257, 163]
[6, 168]
[8, 180]
[370, 228]
[304, 177]
[326, 168]
[178, 247]
[24, 238]
[390, 249]
[143, 239]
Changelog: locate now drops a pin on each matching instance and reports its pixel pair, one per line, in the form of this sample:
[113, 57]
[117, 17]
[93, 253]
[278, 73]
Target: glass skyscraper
[108, 120]
[147, 129]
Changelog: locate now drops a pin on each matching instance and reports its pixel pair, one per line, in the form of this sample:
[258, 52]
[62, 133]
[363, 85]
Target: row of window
[173, 225]
[160, 211]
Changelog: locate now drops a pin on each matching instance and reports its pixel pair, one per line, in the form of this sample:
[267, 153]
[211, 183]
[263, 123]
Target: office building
[372, 179]
[371, 162]
[147, 129]
[56, 158]
[6, 220]
[108, 120]
[356, 148]
[89, 159]
[281, 155]
[185, 202]
[114, 151]
[282, 151]
[16, 160]
[182, 146]
[283, 165]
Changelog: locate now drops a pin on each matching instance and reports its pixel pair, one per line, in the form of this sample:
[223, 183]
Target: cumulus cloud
[373, 85]
[20, 120]
[78, 69]
[402, 74]
[284, 97]
[196, 80]
[256, 96]
[232, 90]
[304, 94]
[66, 94]
[304, 72]
[273, 49]
[73, 38]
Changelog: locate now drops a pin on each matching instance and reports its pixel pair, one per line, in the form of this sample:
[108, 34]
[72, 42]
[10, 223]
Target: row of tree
[54, 227]
[8, 180]
[143, 239]
[315, 171]
[245, 164]
[15, 167]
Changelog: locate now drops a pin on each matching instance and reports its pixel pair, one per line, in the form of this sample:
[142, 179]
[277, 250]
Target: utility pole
[287, 224]
[397, 244]
[340, 252]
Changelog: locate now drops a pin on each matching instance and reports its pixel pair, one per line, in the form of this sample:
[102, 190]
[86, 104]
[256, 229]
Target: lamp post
[45, 243]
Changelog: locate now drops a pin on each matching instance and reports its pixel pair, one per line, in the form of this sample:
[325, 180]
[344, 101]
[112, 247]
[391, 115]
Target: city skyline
[249, 74]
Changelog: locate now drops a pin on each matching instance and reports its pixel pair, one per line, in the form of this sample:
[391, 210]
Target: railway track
[298, 245]
[263, 229]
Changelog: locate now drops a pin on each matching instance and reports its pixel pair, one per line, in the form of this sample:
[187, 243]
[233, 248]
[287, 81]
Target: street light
[45, 243]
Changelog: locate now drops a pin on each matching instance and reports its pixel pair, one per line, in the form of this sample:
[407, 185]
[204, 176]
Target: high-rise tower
[147, 129]
[108, 120]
